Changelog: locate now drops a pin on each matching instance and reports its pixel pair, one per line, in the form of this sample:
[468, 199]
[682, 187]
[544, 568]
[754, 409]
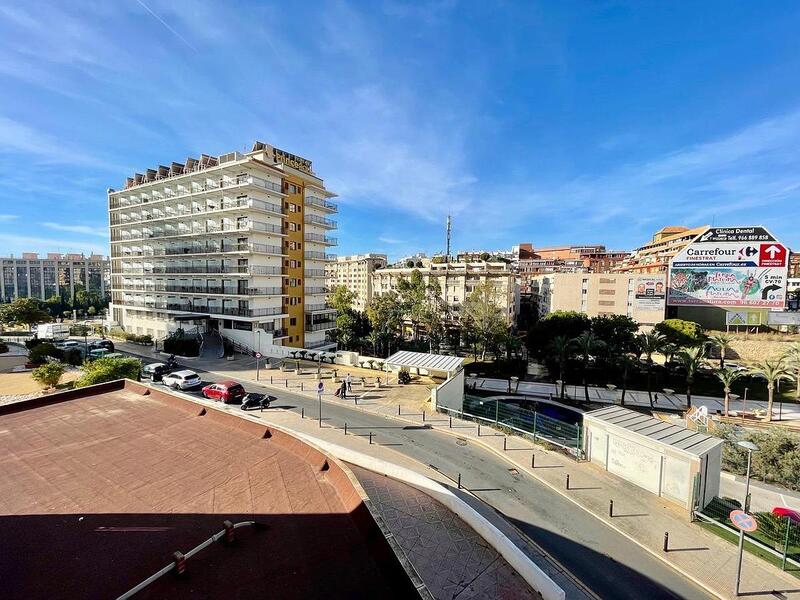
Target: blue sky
[557, 122]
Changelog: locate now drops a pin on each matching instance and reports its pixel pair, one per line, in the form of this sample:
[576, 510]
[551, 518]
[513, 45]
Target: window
[293, 321]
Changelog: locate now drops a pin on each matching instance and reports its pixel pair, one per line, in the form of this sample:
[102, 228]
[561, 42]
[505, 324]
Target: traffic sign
[259, 355]
[741, 520]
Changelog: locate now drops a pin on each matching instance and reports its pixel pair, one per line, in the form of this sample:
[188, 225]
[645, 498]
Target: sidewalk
[705, 558]
[789, 411]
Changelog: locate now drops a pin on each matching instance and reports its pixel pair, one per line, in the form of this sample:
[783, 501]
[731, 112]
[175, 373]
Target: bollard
[567, 480]
[451, 421]
[459, 481]
[479, 430]
[666, 541]
[610, 508]
[302, 413]
[533, 460]
[423, 416]
[398, 410]
[356, 399]
[302, 387]
[504, 444]
[370, 437]
[286, 381]
[270, 379]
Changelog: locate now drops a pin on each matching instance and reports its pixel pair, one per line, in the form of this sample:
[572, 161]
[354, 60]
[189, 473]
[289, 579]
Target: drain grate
[461, 442]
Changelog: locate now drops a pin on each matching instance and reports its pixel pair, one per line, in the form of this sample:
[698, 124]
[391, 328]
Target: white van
[52, 331]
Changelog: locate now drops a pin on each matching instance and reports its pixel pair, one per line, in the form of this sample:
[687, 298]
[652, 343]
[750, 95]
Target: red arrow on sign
[772, 255]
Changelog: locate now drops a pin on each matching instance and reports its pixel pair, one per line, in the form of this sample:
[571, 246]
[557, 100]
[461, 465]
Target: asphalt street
[604, 560]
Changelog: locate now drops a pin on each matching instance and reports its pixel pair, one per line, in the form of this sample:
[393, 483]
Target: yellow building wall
[295, 210]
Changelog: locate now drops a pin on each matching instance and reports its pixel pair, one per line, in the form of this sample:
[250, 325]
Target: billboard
[730, 267]
[650, 292]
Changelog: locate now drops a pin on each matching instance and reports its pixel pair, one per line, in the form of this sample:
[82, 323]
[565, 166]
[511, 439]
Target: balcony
[320, 239]
[204, 309]
[320, 221]
[314, 273]
[320, 203]
[212, 208]
[319, 344]
[126, 236]
[314, 255]
[201, 289]
[319, 308]
[201, 270]
[314, 291]
[195, 188]
[320, 326]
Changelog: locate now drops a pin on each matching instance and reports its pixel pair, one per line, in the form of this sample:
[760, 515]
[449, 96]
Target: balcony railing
[201, 289]
[314, 273]
[319, 344]
[175, 213]
[125, 236]
[320, 239]
[320, 221]
[320, 203]
[196, 188]
[204, 309]
[319, 308]
[314, 255]
[321, 326]
[313, 291]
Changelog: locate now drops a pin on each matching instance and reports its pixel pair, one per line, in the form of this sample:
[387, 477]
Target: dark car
[155, 371]
[105, 344]
[254, 401]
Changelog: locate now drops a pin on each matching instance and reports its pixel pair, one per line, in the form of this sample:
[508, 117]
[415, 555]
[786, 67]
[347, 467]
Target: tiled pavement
[452, 560]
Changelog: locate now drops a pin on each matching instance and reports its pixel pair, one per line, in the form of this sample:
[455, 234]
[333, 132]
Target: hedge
[106, 369]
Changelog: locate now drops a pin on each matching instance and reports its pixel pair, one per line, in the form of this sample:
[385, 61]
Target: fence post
[567, 480]
[666, 541]
[504, 444]
[786, 543]
[286, 382]
[479, 429]
[451, 421]
[534, 426]
[398, 410]
[302, 412]
[423, 416]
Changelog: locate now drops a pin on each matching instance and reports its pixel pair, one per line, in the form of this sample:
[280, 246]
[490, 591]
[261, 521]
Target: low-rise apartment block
[236, 243]
[640, 297]
[654, 256]
[457, 280]
[30, 276]
[355, 273]
[565, 259]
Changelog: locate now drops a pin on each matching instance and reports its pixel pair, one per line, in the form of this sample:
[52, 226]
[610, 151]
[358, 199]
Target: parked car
[155, 371]
[181, 380]
[782, 511]
[225, 391]
[253, 401]
[67, 344]
[98, 353]
[97, 344]
[734, 366]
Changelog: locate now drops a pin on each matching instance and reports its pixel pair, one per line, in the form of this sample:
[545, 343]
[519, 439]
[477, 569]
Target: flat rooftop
[101, 487]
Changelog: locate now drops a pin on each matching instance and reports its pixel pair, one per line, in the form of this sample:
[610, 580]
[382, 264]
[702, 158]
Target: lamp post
[750, 447]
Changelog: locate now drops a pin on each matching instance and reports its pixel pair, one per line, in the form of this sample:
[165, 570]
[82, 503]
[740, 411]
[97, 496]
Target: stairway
[212, 346]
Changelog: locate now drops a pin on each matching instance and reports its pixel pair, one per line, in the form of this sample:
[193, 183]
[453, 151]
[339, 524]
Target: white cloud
[83, 229]
[7, 218]
[388, 240]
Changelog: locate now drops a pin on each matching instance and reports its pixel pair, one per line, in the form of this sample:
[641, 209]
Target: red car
[794, 515]
[226, 391]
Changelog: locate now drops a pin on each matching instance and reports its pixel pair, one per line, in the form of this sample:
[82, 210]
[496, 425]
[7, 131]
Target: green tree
[681, 333]
[23, 311]
[342, 299]
[626, 363]
[413, 297]
[345, 329]
[722, 342]
[772, 372]
[727, 377]
[692, 359]
[49, 374]
[650, 343]
[109, 369]
[483, 318]
[587, 345]
[792, 359]
[385, 314]
[562, 348]
[54, 305]
[618, 332]
[568, 324]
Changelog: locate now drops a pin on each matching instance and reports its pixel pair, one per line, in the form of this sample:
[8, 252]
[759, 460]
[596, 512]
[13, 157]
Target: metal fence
[777, 535]
[527, 422]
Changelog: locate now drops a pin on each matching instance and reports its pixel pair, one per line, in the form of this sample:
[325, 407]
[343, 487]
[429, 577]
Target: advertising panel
[730, 267]
[650, 293]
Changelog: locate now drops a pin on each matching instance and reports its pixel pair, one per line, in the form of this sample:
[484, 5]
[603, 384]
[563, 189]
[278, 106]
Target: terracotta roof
[102, 487]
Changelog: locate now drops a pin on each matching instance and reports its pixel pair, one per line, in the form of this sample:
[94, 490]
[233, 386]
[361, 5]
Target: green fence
[780, 536]
[528, 422]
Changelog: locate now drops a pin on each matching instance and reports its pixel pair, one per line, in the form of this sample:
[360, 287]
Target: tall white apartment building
[457, 280]
[236, 243]
[355, 273]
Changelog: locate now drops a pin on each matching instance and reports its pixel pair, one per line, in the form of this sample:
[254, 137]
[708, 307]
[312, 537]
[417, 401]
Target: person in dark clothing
[343, 390]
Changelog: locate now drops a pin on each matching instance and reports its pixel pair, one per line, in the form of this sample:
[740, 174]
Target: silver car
[182, 380]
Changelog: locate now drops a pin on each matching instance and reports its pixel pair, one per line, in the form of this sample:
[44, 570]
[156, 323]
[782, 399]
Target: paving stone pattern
[452, 560]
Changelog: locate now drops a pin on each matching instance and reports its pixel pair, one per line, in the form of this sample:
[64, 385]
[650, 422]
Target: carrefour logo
[711, 252]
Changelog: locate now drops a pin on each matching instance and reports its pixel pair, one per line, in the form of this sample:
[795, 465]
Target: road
[604, 560]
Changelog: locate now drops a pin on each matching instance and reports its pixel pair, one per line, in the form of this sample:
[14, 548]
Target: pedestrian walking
[349, 380]
[343, 390]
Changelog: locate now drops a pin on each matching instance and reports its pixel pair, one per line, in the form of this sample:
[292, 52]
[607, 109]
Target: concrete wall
[450, 394]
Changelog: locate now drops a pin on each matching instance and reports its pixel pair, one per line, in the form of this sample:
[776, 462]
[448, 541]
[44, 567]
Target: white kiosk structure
[676, 463]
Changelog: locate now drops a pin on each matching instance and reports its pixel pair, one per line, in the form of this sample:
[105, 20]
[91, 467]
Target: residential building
[565, 259]
[457, 280]
[55, 275]
[355, 273]
[236, 243]
[601, 294]
[654, 256]
[794, 265]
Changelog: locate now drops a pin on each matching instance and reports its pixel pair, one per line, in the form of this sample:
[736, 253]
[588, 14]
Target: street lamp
[750, 447]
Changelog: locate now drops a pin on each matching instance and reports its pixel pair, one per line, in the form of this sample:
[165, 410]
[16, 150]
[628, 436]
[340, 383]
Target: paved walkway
[639, 515]
[789, 411]
[451, 558]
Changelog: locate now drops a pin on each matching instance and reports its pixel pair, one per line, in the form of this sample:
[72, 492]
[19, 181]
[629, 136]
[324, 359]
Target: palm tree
[374, 337]
[587, 344]
[649, 344]
[692, 358]
[773, 372]
[562, 347]
[727, 377]
[626, 362]
[723, 342]
[792, 357]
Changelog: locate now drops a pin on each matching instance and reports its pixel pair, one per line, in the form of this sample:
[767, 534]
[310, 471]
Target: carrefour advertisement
[733, 267]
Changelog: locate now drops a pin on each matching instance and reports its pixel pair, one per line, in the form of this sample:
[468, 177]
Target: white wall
[450, 394]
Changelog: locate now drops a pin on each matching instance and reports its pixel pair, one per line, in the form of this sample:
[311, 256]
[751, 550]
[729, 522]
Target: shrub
[32, 343]
[182, 346]
[73, 357]
[3, 347]
[39, 354]
[404, 377]
[118, 332]
[49, 374]
[109, 369]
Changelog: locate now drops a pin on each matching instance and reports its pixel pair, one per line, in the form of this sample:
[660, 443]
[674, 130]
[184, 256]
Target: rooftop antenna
[449, 228]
